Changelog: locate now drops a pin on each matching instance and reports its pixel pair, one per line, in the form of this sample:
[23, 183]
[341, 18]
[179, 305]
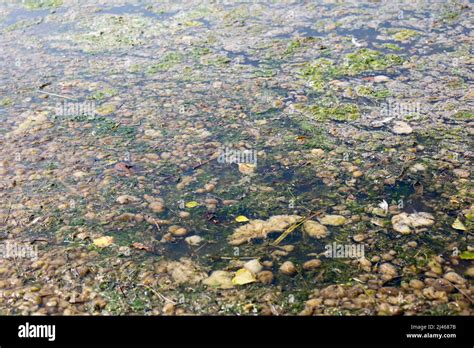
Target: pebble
[333, 292]
[177, 230]
[156, 207]
[431, 294]
[315, 229]
[253, 266]
[265, 277]
[168, 308]
[417, 284]
[401, 128]
[443, 285]
[317, 152]
[405, 223]
[219, 279]
[288, 268]
[209, 187]
[469, 272]
[454, 278]
[193, 240]
[311, 264]
[388, 271]
[359, 237]
[184, 214]
[418, 167]
[333, 220]
[125, 199]
[461, 173]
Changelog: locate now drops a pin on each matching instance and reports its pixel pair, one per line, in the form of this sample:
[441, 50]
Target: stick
[55, 95]
[8, 214]
[291, 229]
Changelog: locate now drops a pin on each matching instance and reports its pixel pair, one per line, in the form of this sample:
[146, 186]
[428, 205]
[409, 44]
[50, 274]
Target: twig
[55, 95]
[291, 229]
[202, 163]
[8, 214]
[462, 292]
[162, 297]
[200, 247]
[156, 224]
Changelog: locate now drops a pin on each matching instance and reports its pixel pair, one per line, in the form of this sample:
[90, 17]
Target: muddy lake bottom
[236, 159]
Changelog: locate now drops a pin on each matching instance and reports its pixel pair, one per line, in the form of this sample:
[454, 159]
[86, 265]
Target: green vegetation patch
[324, 69]
[464, 115]
[370, 92]
[42, 4]
[109, 32]
[341, 112]
[103, 94]
[392, 46]
[405, 35]
[167, 62]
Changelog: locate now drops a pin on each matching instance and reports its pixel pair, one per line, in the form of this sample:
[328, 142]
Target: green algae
[6, 101]
[170, 60]
[23, 24]
[341, 112]
[370, 92]
[294, 45]
[392, 46]
[42, 4]
[323, 70]
[103, 94]
[467, 255]
[109, 32]
[369, 60]
[405, 35]
[464, 115]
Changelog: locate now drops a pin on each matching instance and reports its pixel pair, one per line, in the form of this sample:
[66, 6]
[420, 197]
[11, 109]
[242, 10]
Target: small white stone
[400, 127]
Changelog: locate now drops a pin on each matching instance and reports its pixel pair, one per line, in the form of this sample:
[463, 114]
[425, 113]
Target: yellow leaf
[191, 204]
[104, 241]
[243, 276]
[241, 218]
[458, 225]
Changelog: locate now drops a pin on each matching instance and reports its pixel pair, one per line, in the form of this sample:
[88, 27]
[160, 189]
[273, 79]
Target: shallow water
[99, 101]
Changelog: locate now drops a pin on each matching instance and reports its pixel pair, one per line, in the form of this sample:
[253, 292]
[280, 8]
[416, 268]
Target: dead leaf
[243, 276]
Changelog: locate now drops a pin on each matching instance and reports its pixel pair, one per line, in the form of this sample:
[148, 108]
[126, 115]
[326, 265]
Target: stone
[401, 128]
[220, 280]
[193, 240]
[288, 268]
[126, 199]
[315, 229]
[406, 223]
[311, 264]
[333, 220]
[253, 266]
